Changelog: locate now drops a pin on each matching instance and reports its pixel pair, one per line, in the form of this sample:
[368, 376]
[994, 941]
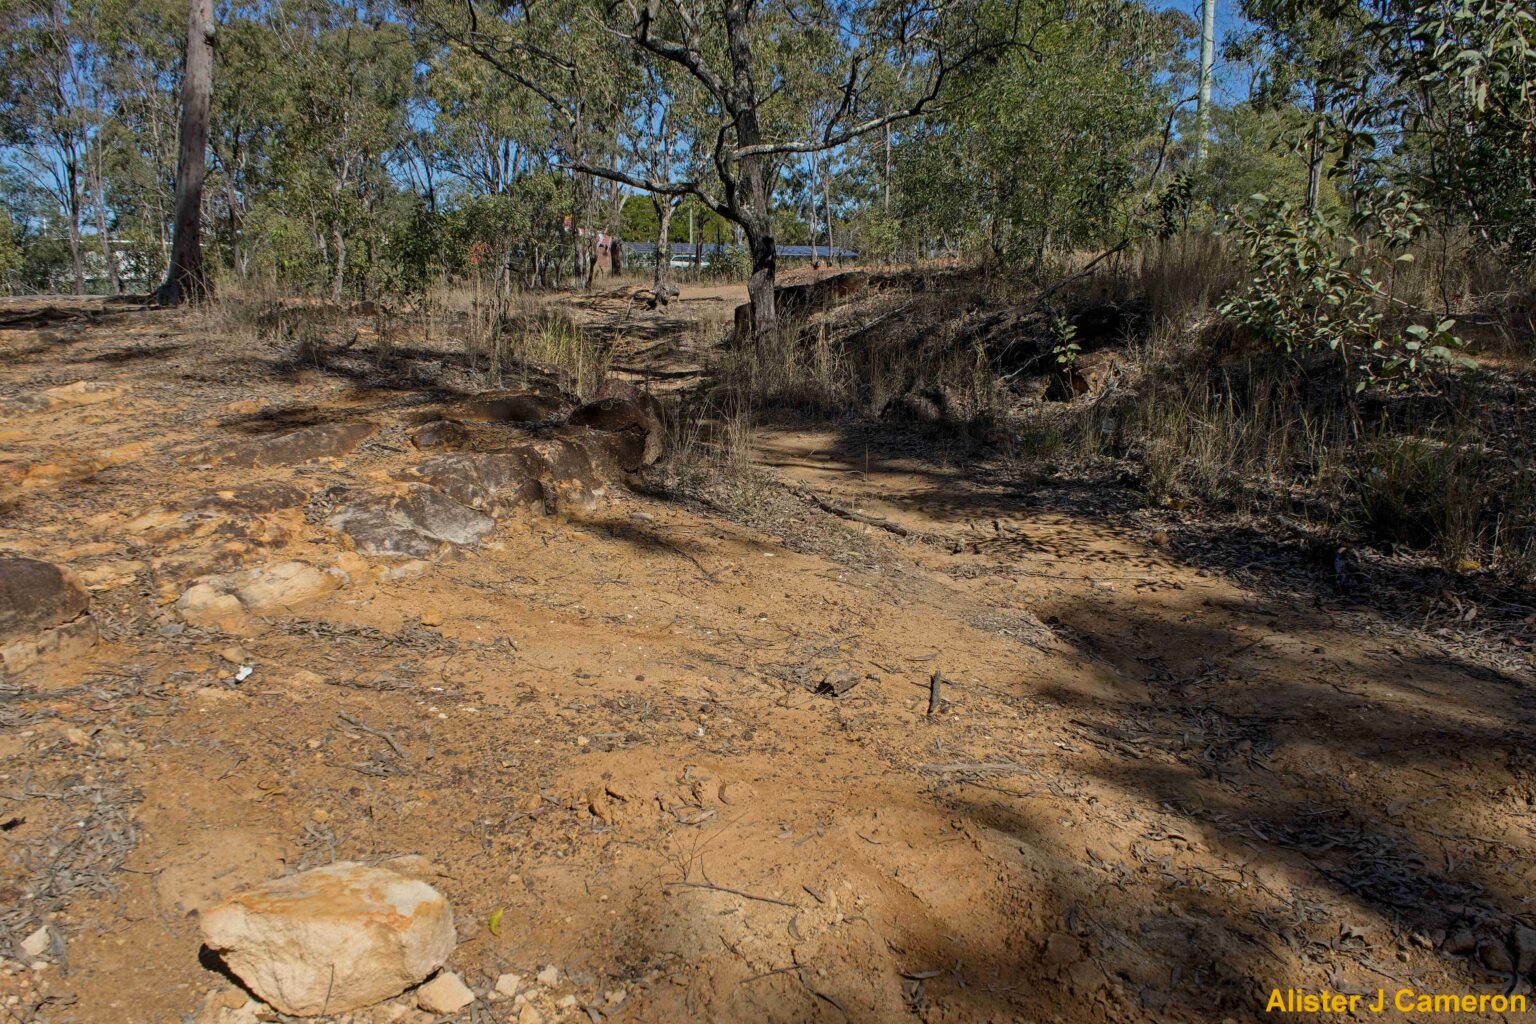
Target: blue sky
[1229, 88]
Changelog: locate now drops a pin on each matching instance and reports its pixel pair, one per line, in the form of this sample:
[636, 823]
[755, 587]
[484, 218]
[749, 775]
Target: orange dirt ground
[1154, 789]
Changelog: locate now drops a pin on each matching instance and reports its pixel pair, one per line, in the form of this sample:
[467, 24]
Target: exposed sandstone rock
[332, 939]
[572, 470]
[44, 613]
[627, 410]
[445, 993]
[511, 408]
[418, 522]
[260, 498]
[440, 434]
[225, 599]
[81, 392]
[492, 482]
[326, 441]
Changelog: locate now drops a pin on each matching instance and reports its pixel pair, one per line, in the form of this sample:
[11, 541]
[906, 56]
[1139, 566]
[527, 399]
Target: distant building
[702, 254]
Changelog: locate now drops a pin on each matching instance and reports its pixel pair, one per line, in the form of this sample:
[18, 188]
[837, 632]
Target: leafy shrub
[1314, 287]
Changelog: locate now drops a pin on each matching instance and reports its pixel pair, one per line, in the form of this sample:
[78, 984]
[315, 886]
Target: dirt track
[1160, 781]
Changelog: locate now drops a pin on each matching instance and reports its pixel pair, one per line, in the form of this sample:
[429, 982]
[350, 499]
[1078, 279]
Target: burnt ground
[1169, 768]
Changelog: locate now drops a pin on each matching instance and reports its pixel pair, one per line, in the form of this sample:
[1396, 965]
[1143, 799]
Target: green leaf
[495, 921]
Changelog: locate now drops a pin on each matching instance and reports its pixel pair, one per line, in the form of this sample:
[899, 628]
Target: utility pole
[1207, 64]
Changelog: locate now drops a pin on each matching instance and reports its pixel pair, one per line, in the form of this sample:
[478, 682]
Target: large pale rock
[332, 939]
[44, 612]
[416, 522]
[281, 586]
[490, 482]
[81, 392]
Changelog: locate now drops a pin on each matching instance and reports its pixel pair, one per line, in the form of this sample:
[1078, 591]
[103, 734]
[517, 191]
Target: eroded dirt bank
[1153, 785]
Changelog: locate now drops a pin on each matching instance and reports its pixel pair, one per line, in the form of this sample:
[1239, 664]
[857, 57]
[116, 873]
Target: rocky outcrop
[418, 521]
[81, 392]
[326, 441]
[511, 407]
[489, 482]
[332, 939]
[626, 410]
[439, 434]
[44, 613]
[224, 600]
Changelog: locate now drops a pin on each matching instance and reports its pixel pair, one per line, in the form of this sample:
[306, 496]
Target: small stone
[235, 655]
[1525, 949]
[1494, 955]
[36, 944]
[432, 617]
[1460, 942]
[838, 682]
[549, 977]
[507, 984]
[445, 993]
[204, 605]
[529, 1014]
[215, 694]
[229, 1006]
[566, 1002]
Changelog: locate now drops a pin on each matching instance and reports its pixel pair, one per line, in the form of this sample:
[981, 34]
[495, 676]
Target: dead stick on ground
[735, 892]
[934, 686]
[848, 513]
[380, 733]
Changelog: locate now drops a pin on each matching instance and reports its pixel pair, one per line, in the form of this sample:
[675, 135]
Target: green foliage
[1316, 287]
[1050, 144]
[733, 264]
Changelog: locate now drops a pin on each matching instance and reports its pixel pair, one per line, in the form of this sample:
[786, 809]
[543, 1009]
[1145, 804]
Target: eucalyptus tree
[185, 278]
[1053, 147]
[47, 61]
[756, 64]
[143, 43]
[346, 77]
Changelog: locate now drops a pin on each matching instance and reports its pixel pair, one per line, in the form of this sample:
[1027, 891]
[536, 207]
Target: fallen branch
[856, 516]
[380, 733]
[975, 768]
[734, 892]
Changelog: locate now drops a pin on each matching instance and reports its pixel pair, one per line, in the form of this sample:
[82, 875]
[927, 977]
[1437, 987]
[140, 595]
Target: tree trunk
[185, 280]
[662, 283]
[339, 280]
[75, 255]
[758, 224]
[1315, 156]
[751, 198]
[827, 207]
[107, 255]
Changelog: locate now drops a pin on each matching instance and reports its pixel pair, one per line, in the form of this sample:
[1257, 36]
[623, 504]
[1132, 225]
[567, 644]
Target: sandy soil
[1156, 784]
